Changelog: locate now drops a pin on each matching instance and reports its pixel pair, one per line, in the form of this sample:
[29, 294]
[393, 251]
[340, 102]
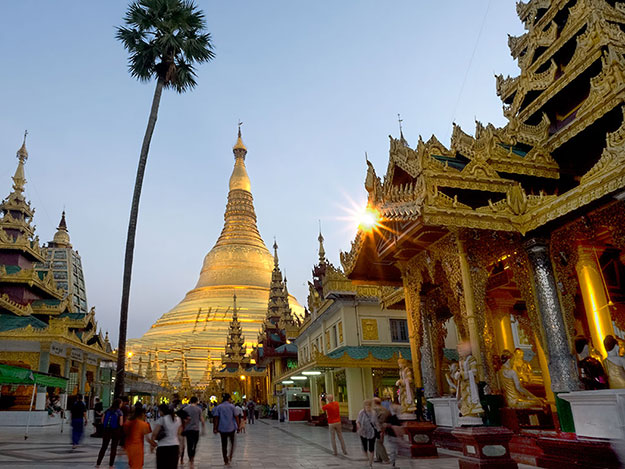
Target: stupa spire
[240, 256]
[61, 237]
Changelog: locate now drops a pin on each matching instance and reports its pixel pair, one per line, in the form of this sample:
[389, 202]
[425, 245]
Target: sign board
[58, 350]
[76, 354]
[92, 360]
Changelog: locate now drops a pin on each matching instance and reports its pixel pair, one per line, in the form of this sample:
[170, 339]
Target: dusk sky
[316, 83]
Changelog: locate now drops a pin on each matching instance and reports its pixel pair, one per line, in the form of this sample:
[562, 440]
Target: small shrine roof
[289, 348]
[9, 322]
[362, 352]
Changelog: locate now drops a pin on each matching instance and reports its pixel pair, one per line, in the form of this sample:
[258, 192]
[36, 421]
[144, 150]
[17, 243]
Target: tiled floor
[267, 444]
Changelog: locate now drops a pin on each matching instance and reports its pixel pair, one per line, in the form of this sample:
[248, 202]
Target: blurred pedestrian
[111, 431]
[166, 438]
[194, 418]
[226, 420]
[368, 430]
[79, 420]
[136, 428]
[381, 415]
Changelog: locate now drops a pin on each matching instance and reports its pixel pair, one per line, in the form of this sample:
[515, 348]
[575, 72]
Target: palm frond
[165, 38]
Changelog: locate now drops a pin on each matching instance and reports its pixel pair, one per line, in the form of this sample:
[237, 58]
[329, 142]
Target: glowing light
[288, 381]
[242, 378]
[129, 354]
[298, 378]
[368, 219]
[311, 373]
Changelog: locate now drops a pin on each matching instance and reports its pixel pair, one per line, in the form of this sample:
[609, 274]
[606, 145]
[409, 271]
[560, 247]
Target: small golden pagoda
[239, 262]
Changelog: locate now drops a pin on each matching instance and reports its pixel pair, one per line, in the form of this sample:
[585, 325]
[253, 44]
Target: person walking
[381, 414]
[251, 411]
[166, 443]
[332, 410]
[136, 428]
[111, 432]
[79, 420]
[226, 420]
[194, 418]
[98, 412]
[394, 432]
[367, 429]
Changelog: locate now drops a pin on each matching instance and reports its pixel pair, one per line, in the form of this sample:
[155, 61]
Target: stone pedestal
[421, 441]
[485, 447]
[445, 411]
[573, 453]
[598, 414]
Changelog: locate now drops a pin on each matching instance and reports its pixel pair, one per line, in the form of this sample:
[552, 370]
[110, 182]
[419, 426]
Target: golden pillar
[469, 300]
[503, 332]
[596, 301]
[414, 312]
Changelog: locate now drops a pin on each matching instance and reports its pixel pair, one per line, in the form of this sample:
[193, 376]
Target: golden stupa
[196, 329]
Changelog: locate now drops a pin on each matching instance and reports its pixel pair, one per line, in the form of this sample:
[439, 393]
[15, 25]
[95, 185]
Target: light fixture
[298, 378]
[242, 378]
[288, 381]
[311, 373]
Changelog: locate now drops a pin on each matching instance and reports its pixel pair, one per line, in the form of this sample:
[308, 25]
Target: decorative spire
[235, 351]
[322, 251]
[61, 237]
[165, 378]
[185, 382]
[19, 181]
[401, 131]
[239, 148]
[275, 252]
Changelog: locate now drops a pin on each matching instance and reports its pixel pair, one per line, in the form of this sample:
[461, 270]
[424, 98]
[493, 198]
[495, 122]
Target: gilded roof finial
[275, 252]
[322, 251]
[61, 237]
[22, 152]
[234, 307]
[239, 145]
[401, 130]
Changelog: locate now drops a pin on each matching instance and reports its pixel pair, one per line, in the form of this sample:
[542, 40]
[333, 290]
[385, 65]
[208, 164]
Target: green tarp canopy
[16, 375]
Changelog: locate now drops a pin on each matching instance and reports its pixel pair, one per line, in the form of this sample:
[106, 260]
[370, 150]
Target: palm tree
[164, 38]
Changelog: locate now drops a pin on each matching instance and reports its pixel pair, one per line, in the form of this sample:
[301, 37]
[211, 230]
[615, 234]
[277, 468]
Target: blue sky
[316, 83]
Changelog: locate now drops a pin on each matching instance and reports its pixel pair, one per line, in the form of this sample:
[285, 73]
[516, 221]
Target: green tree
[164, 38]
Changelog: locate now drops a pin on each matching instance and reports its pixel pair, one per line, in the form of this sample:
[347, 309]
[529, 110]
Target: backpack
[111, 419]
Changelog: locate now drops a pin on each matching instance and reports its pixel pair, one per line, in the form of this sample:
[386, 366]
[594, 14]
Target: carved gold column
[503, 331]
[592, 285]
[544, 368]
[430, 388]
[562, 366]
[469, 299]
[413, 313]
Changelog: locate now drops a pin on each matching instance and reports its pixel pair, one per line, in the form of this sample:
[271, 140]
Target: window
[334, 337]
[60, 275]
[399, 330]
[59, 265]
[60, 255]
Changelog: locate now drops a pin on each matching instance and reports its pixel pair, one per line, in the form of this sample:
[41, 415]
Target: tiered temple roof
[562, 148]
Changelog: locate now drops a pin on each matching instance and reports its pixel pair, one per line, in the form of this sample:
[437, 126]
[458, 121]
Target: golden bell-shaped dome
[239, 262]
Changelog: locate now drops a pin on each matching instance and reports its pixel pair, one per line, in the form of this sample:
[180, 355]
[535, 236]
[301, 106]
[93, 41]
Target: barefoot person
[192, 427]
[226, 421]
[331, 408]
[166, 443]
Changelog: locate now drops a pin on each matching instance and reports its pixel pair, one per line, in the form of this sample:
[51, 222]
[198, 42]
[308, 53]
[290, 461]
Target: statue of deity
[405, 384]
[516, 396]
[467, 392]
[614, 364]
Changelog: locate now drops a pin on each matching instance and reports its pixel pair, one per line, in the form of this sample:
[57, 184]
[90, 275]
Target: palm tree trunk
[130, 241]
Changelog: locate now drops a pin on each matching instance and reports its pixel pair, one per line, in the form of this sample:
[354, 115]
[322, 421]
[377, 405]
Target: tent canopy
[17, 375]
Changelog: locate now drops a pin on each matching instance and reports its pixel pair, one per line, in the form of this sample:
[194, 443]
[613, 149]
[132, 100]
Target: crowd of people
[171, 430]
[377, 425]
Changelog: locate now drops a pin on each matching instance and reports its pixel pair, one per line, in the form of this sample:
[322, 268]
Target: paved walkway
[266, 444]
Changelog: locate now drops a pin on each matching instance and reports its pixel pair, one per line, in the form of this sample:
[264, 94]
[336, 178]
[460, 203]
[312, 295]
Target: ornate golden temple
[515, 237]
[240, 263]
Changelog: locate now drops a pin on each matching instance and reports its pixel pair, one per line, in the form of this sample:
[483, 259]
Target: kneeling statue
[516, 396]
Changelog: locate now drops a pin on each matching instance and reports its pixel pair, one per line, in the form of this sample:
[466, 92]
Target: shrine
[512, 241]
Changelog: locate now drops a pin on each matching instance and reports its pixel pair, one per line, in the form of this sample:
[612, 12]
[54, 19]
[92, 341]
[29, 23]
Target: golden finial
[322, 252]
[239, 145]
[22, 153]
